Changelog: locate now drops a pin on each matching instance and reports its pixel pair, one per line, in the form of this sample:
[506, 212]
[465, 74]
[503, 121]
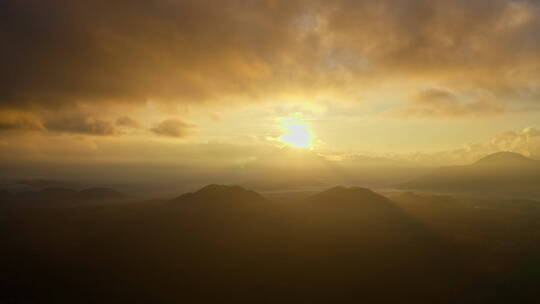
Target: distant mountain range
[501, 173]
[227, 242]
[63, 195]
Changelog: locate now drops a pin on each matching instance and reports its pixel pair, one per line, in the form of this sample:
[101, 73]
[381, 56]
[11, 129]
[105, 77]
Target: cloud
[173, 128]
[129, 51]
[127, 122]
[81, 125]
[19, 121]
[76, 122]
[525, 141]
[436, 103]
[90, 53]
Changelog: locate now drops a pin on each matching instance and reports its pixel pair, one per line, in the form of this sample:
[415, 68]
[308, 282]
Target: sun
[296, 134]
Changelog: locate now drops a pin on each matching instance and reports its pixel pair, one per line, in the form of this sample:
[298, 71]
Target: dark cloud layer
[88, 51]
[82, 125]
[173, 128]
[127, 122]
[71, 54]
[15, 121]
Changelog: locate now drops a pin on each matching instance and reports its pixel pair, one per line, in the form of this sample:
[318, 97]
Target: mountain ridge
[215, 191]
[504, 158]
[501, 173]
[62, 194]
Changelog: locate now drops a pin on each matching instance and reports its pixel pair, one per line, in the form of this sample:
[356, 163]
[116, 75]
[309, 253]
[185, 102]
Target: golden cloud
[173, 128]
[89, 53]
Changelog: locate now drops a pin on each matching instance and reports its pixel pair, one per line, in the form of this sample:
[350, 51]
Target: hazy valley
[228, 244]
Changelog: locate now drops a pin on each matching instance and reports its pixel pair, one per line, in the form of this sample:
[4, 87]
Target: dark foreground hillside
[225, 244]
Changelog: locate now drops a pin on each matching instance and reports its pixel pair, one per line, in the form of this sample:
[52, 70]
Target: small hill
[58, 196]
[49, 194]
[92, 194]
[358, 205]
[374, 225]
[218, 205]
[505, 159]
[56, 193]
[502, 173]
[220, 193]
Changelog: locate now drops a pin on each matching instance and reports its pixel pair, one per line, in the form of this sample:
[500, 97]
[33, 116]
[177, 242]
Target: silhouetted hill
[367, 210]
[59, 196]
[343, 195]
[40, 184]
[99, 194]
[212, 193]
[505, 159]
[54, 193]
[502, 173]
[49, 194]
[222, 208]
[35, 185]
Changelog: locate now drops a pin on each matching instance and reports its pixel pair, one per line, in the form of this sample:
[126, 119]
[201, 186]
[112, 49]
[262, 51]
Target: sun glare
[296, 133]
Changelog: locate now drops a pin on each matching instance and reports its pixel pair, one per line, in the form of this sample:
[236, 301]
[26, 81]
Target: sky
[203, 83]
